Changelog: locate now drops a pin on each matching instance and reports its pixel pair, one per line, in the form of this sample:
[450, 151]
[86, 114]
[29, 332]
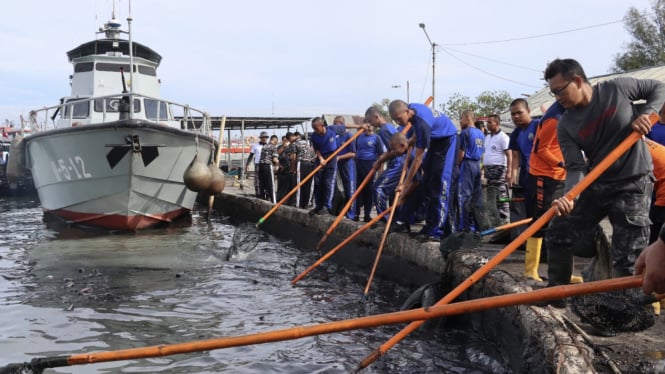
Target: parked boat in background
[112, 156]
[13, 180]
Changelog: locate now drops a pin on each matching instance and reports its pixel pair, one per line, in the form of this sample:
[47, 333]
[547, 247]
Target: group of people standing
[437, 171]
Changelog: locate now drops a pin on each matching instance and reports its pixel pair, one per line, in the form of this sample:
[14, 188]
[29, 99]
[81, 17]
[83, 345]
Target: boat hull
[123, 175]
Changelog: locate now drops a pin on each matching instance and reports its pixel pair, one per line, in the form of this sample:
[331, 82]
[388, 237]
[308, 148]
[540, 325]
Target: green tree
[491, 102]
[488, 102]
[382, 107]
[456, 104]
[648, 33]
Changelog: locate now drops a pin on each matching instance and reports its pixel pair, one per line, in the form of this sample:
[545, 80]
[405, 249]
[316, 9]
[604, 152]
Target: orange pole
[420, 314]
[288, 195]
[510, 248]
[429, 101]
[505, 227]
[346, 208]
[342, 244]
[405, 167]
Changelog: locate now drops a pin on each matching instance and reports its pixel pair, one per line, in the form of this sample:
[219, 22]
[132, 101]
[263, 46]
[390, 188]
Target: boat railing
[66, 115]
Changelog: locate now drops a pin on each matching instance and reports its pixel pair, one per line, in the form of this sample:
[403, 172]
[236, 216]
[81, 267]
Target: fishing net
[610, 313]
[491, 196]
[459, 240]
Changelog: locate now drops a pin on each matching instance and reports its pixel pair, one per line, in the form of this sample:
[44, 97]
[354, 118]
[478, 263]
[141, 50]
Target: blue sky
[304, 58]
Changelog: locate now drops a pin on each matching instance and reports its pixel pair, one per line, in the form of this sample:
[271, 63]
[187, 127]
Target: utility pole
[422, 26]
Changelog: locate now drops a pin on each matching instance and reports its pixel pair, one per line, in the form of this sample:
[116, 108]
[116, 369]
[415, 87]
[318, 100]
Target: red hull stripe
[118, 221]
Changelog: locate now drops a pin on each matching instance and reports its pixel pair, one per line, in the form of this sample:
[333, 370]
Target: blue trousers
[324, 185]
[434, 189]
[469, 194]
[365, 198]
[347, 172]
[385, 184]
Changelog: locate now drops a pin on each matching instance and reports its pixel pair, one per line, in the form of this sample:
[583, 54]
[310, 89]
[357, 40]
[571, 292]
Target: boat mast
[131, 62]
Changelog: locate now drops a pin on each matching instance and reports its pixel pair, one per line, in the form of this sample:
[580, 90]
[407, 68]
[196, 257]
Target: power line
[422, 92]
[487, 72]
[493, 60]
[532, 36]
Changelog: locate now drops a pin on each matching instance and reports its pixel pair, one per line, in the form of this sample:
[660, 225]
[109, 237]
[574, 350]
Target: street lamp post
[407, 90]
[422, 26]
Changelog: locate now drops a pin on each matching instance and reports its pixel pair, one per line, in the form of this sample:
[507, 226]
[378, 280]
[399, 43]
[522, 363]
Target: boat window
[151, 109]
[80, 109]
[104, 66]
[83, 66]
[147, 70]
[112, 105]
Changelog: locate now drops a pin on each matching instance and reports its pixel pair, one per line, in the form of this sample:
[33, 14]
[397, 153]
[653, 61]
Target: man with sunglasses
[596, 120]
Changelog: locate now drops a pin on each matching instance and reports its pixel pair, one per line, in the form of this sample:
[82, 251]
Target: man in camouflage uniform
[267, 162]
[302, 164]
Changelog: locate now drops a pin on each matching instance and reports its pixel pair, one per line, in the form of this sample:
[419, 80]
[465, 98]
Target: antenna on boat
[131, 61]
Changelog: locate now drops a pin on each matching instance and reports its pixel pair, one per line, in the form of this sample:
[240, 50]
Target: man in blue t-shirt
[521, 142]
[324, 142]
[469, 186]
[657, 133]
[369, 147]
[435, 133]
[346, 166]
[388, 179]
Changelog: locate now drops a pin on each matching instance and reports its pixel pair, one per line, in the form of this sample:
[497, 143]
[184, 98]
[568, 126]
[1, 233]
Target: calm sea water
[68, 291]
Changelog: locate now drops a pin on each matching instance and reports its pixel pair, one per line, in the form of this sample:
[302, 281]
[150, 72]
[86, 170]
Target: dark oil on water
[69, 291]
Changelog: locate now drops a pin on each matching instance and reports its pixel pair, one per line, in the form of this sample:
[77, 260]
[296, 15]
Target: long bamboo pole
[421, 314]
[511, 247]
[505, 227]
[211, 199]
[341, 245]
[386, 230]
[346, 208]
[348, 204]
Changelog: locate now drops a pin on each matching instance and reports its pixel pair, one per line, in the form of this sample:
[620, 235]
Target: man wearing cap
[302, 164]
[255, 154]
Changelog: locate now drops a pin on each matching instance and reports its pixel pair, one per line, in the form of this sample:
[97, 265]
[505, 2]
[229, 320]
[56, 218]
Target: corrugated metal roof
[349, 119]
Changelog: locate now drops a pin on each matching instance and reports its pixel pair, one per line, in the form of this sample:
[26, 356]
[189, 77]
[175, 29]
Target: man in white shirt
[497, 162]
[255, 154]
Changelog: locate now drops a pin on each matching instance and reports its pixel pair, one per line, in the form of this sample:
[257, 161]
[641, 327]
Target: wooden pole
[211, 199]
[298, 332]
[386, 230]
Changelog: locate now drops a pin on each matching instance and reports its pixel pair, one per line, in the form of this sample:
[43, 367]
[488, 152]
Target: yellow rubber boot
[656, 308]
[532, 258]
[574, 279]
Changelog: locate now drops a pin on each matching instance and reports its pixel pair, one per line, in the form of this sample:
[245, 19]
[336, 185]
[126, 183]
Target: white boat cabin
[102, 78]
